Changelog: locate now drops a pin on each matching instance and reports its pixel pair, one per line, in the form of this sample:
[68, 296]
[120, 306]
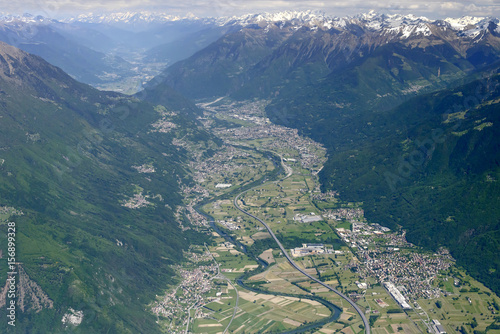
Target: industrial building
[396, 294]
[308, 249]
[438, 328]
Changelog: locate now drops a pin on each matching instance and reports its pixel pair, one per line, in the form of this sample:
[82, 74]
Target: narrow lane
[350, 301]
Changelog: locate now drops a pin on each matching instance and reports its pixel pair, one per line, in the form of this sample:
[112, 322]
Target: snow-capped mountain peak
[470, 26]
[402, 26]
[128, 18]
[464, 22]
[25, 18]
[293, 17]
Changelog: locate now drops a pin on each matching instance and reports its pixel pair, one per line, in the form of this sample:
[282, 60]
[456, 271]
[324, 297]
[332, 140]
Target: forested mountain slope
[97, 178]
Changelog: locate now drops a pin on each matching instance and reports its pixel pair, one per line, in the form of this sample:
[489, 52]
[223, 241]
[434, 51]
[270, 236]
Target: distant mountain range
[144, 17]
[270, 54]
[110, 54]
[372, 19]
[120, 51]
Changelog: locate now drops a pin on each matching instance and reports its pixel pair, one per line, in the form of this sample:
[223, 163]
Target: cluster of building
[379, 228]
[396, 294]
[319, 196]
[223, 185]
[194, 287]
[145, 168]
[363, 235]
[220, 164]
[308, 249]
[389, 258]
[163, 125]
[345, 213]
[8, 210]
[285, 139]
[312, 217]
[414, 271]
[229, 225]
[437, 327]
[137, 201]
[251, 111]
[196, 190]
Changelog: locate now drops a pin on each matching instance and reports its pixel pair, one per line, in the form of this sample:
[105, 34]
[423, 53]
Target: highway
[353, 304]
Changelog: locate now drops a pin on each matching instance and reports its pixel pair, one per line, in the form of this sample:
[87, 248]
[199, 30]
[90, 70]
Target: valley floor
[242, 283]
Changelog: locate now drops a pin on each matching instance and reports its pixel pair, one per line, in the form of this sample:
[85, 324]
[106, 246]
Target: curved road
[353, 304]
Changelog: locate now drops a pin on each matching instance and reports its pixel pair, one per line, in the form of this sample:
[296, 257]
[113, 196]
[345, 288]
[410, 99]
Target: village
[190, 293]
[390, 258]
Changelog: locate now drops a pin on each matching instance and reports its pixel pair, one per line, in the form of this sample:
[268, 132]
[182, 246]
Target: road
[353, 304]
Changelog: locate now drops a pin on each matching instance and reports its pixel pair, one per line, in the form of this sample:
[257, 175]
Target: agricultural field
[230, 168]
[466, 300]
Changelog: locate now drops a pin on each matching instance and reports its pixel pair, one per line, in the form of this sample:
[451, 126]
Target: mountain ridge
[372, 19]
[264, 57]
[469, 25]
[65, 42]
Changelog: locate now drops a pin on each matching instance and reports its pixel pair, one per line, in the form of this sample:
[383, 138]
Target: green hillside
[70, 161]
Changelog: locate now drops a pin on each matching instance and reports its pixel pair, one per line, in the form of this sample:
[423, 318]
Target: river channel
[334, 309]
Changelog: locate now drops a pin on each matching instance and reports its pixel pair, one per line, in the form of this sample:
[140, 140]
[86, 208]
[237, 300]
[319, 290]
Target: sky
[202, 8]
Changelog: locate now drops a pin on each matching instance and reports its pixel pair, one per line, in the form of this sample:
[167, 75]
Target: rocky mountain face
[93, 186]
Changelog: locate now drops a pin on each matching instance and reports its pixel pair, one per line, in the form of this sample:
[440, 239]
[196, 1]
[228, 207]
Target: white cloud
[430, 8]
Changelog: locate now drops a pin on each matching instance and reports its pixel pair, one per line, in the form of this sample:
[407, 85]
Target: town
[390, 258]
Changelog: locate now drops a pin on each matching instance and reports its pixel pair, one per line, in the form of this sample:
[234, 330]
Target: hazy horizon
[208, 8]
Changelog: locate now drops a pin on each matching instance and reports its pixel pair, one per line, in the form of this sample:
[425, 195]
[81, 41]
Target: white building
[308, 249]
[223, 185]
[397, 295]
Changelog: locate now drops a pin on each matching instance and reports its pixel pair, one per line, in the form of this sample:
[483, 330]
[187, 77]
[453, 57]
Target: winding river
[274, 176]
[334, 309]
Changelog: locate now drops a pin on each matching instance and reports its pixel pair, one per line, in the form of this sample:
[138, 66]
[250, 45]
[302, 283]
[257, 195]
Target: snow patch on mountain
[464, 23]
[25, 18]
[376, 21]
[295, 18]
[129, 17]
[471, 27]
[419, 29]
[404, 26]
[396, 24]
